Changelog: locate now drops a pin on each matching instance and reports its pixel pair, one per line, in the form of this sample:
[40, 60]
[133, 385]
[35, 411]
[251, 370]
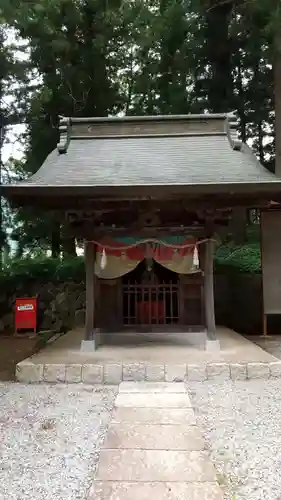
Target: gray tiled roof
[201, 150]
[139, 161]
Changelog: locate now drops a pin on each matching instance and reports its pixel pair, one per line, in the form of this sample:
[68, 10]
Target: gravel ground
[242, 424]
[50, 437]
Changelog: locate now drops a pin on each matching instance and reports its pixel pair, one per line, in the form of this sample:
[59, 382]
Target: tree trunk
[241, 103]
[56, 243]
[277, 92]
[69, 246]
[68, 243]
[219, 50]
[3, 70]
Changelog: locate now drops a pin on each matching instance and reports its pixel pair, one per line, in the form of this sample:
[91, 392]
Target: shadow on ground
[12, 351]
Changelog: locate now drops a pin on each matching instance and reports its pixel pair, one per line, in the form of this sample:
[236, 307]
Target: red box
[26, 314]
[151, 312]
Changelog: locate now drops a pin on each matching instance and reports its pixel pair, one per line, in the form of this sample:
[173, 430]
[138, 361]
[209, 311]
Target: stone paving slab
[155, 491]
[154, 437]
[151, 387]
[153, 400]
[154, 416]
[155, 465]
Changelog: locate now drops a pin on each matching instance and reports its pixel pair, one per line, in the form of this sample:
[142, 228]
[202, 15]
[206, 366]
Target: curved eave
[69, 196]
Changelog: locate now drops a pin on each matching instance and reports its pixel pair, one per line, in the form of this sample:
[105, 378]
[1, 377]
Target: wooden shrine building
[149, 195]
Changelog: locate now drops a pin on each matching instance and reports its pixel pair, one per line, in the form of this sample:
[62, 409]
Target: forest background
[134, 57]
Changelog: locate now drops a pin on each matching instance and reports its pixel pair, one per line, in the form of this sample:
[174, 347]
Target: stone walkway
[154, 449]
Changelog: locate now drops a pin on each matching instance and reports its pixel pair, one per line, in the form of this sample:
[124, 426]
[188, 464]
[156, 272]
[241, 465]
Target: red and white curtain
[115, 259]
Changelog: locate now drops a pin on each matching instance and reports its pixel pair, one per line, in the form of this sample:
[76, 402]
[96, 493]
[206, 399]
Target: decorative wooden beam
[89, 231]
[136, 218]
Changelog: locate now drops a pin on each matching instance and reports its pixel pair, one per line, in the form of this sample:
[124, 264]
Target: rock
[46, 295]
[57, 325]
[67, 318]
[8, 320]
[80, 302]
[80, 317]
[61, 298]
[47, 321]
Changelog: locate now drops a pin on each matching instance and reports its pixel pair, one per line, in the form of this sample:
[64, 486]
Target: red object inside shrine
[151, 312]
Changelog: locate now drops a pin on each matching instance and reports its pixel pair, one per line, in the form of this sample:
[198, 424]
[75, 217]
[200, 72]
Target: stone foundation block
[29, 372]
[196, 373]
[212, 345]
[134, 372]
[92, 374]
[155, 373]
[73, 374]
[257, 370]
[88, 346]
[238, 371]
[218, 371]
[54, 373]
[175, 373]
[275, 369]
[113, 373]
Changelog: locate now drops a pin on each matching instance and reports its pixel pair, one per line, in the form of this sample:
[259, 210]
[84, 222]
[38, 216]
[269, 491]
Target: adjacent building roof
[201, 152]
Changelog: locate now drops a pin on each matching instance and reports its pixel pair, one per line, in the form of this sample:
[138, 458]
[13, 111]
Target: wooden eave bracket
[64, 129]
[232, 131]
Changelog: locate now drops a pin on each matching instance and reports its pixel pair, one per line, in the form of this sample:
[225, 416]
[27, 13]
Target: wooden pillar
[209, 289]
[90, 257]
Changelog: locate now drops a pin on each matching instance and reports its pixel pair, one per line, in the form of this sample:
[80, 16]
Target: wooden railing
[150, 304]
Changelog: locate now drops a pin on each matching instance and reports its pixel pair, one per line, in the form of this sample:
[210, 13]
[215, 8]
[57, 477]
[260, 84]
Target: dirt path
[13, 350]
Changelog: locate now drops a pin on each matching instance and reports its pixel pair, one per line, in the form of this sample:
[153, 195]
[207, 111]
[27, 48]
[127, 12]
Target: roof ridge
[231, 127]
[150, 135]
[128, 118]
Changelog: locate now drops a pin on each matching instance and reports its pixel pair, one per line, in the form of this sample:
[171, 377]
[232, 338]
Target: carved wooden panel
[271, 261]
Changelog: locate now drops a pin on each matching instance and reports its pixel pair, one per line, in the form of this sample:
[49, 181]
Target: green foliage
[238, 259]
[20, 271]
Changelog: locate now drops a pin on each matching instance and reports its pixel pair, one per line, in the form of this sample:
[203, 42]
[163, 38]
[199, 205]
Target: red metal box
[26, 314]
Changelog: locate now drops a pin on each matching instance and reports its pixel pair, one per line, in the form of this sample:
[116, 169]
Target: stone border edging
[114, 373]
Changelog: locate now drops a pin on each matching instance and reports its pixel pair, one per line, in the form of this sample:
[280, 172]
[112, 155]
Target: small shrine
[150, 196]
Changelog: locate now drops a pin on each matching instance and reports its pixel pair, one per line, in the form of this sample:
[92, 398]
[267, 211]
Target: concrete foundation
[155, 357]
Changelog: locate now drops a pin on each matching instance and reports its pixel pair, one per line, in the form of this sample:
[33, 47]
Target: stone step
[153, 448]
[155, 465]
[152, 387]
[153, 400]
[153, 437]
[155, 491]
[154, 416]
